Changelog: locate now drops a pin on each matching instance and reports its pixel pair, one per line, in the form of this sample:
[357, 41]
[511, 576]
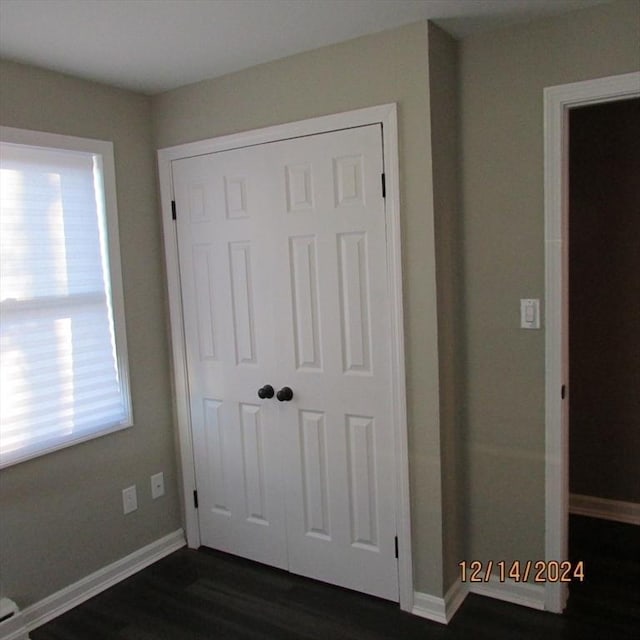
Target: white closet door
[283, 267]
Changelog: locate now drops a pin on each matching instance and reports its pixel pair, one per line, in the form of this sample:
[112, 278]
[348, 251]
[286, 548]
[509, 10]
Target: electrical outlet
[157, 485]
[129, 499]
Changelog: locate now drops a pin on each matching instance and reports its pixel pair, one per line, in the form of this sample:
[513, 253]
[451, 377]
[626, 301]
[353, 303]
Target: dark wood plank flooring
[204, 595]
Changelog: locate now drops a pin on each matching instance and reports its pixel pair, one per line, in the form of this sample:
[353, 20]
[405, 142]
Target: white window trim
[104, 149]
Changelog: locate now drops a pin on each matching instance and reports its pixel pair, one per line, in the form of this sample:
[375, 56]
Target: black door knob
[266, 392]
[285, 394]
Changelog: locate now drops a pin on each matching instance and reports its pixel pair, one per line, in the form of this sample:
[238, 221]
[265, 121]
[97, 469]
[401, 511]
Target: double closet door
[282, 255]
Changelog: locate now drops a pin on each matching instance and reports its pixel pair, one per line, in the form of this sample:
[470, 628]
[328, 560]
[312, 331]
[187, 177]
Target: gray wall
[387, 67]
[62, 513]
[604, 290]
[502, 76]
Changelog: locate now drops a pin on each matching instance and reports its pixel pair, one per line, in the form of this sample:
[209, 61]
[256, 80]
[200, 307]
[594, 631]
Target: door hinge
[563, 392]
[195, 499]
[173, 209]
[396, 543]
[384, 186]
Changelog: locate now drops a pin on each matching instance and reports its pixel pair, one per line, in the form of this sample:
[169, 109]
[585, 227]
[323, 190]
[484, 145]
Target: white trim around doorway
[558, 101]
[387, 116]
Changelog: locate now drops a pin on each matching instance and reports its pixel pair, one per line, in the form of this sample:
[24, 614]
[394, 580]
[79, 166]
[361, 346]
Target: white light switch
[529, 313]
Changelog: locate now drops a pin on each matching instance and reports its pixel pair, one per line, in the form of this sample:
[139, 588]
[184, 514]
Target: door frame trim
[558, 100]
[387, 116]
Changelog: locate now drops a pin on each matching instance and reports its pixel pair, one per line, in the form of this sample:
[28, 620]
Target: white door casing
[318, 263]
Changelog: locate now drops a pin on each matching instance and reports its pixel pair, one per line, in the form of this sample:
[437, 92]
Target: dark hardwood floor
[203, 595]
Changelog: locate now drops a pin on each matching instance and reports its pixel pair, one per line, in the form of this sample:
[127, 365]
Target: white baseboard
[523, 593]
[454, 598]
[11, 622]
[443, 609]
[14, 628]
[77, 593]
[439, 609]
[618, 510]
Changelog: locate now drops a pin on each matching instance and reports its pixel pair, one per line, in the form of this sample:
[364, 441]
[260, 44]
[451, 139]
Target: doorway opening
[559, 103]
[604, 349]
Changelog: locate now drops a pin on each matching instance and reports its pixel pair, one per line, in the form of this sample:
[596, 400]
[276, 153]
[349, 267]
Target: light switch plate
[529, 313]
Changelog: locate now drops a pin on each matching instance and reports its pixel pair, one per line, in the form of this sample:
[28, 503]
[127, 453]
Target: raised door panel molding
[314, 473]
[253, 463]
[304, 287]
[354, 303]
[243, 309]
[362, 482]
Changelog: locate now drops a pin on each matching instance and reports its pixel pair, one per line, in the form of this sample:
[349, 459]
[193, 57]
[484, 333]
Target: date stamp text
[537, 571]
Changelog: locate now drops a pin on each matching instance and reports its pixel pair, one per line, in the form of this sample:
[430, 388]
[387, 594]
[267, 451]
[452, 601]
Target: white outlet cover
[157, 485]
[129, 499]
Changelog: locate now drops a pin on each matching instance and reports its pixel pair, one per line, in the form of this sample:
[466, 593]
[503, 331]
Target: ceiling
[152, 46]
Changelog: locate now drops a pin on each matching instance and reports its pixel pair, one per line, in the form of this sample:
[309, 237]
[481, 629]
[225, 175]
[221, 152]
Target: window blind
[61, 377]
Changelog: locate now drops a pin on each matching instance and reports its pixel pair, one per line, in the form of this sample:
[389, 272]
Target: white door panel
[222, 245]
[340, 491]
[284, 280]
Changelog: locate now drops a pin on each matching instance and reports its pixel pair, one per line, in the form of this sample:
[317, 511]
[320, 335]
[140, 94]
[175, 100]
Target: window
[63, 355]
